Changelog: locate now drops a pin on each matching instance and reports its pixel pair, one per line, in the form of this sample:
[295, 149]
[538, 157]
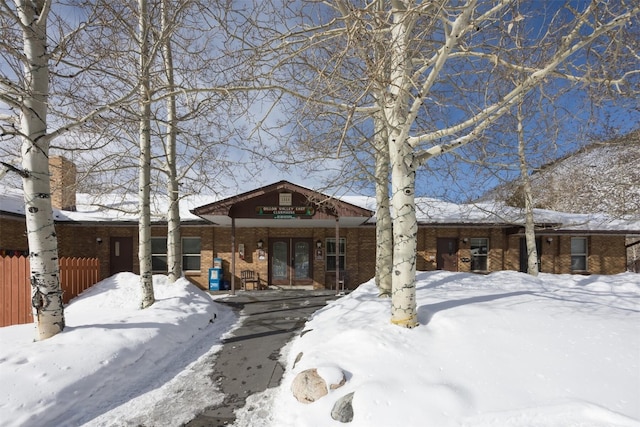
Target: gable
[283, 204]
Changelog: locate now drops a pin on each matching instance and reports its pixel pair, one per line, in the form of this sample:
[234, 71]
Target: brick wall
[606, 253]
[360, 256]
[63, 183]
[13, 234]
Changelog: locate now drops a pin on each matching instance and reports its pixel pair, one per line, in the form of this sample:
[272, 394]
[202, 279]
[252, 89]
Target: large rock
[310, 385]
[343, 409]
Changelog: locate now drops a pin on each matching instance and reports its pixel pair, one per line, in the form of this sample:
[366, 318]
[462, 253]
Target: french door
[290, 261]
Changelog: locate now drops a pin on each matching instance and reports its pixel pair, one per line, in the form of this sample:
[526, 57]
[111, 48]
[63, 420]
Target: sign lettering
[285, 212]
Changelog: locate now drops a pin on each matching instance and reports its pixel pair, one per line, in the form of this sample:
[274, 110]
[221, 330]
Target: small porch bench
[250, 277]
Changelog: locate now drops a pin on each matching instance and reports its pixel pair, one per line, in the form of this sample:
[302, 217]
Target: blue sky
[432, 180]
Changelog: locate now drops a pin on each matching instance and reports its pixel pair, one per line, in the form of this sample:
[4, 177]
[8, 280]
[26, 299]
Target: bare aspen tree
[33, 81]
[174, 244]
[443, 87]
[529, 226]
[408, 156]
[32, 101]
[144, 166]
[185, 115]
[384, 236]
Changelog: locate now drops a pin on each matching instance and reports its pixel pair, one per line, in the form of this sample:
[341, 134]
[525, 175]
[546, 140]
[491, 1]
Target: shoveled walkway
[248, 361]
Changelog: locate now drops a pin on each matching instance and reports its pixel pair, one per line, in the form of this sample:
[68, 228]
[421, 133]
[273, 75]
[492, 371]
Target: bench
[248, 277]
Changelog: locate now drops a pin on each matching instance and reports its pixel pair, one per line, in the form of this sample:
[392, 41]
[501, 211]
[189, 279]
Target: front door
[447, 256]
[290, 262]
[120, 255]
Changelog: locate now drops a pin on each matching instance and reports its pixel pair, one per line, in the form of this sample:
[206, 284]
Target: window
[159, 254]
[479, 251]
[331, 254]
[578, 254]
[285, 199]
[190, 254]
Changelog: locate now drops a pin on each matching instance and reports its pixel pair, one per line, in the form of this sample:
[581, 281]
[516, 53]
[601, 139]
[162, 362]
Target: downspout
[338, 254]
[233, 255]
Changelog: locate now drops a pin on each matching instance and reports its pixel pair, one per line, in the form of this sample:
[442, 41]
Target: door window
[301, 259]
[447, 254]
[479, 251]
[279, 264]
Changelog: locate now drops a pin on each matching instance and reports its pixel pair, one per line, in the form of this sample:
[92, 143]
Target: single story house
[294, 237]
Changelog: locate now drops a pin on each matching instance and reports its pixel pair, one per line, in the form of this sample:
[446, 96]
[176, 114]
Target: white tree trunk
[174, 243]
[405, 225]
[384, 237]
[144, 185]
[529, 227]
[405, 231]
[48, 311]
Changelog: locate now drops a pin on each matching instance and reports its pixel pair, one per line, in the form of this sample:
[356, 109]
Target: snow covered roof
[439, 212]
[116, 208]
[105, 208]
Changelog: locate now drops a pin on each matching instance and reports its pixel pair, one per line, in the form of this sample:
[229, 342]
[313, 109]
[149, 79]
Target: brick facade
[63, 183]
[13, 235]
[606, 253]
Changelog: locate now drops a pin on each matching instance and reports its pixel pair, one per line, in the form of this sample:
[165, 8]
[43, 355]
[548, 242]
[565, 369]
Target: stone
[298, 357]
[343, 409]
[308, 386]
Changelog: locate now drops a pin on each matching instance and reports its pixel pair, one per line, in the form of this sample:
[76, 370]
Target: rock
[310, 385]
[333, 376]
[298, 357]
[343, 409]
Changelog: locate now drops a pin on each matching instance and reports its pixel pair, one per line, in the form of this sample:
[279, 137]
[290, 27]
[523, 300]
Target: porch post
[338, 254]
[233, 255]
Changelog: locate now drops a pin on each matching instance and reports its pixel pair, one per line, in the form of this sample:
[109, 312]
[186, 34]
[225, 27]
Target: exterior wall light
[549, 240]
[260, 243]
[319, 244]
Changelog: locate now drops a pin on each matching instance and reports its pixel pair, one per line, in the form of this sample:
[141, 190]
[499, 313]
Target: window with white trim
[330, 245]
[579, 254]
[190, 254]
[479, 253]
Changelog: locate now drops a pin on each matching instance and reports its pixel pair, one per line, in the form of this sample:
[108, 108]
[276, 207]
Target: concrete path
[248, 361]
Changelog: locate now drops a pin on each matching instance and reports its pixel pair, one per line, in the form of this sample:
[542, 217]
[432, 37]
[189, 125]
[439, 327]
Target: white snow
[115, 364]
[501, 350]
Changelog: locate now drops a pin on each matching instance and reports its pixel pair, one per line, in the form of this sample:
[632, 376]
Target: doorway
[447, 254]
[290, 261]
[120, 255]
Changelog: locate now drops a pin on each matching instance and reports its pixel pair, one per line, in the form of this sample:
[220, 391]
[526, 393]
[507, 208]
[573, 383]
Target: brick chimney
[63, 183]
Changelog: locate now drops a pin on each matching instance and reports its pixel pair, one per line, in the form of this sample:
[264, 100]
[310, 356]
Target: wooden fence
[76, 275]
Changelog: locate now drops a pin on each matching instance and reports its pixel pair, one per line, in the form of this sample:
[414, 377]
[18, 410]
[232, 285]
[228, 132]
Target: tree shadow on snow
[426, 312]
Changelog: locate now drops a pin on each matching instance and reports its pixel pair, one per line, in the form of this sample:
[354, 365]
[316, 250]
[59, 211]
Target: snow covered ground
[502, 350]
[114, 364]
